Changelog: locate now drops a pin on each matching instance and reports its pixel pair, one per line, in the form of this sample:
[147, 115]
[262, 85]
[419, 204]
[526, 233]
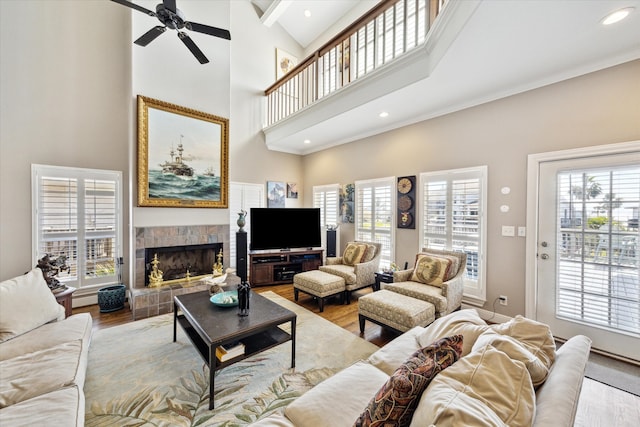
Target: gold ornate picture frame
[183, 156]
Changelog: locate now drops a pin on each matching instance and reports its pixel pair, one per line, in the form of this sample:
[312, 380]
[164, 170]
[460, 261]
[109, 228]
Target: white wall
[595, 109]
[64, 100]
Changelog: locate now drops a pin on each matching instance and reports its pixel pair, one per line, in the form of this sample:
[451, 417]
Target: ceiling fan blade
[135, 6]
[150, 35]
[206, 29]
[170, 5]
[192, 47]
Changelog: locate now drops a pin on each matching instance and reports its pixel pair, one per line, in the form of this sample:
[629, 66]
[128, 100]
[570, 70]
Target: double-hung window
[453, 218]
[327, 198]
[78, 215]
[375, 215]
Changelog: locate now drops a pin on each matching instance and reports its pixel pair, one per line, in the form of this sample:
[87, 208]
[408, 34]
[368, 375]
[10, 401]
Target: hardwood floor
[599, 405]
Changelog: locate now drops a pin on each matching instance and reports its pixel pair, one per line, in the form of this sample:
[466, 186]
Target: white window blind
[452, 218]
[78, 215]
[327, 198]
[242, 196]
[375, 215]
[597, 234]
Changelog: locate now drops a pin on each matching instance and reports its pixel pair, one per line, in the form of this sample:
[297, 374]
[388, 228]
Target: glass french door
[588, 266]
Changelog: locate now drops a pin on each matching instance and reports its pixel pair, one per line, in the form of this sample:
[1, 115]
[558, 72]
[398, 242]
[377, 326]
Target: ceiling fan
[172, 17]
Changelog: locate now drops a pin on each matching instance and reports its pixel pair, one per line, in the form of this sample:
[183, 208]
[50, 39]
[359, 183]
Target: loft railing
[389, 30]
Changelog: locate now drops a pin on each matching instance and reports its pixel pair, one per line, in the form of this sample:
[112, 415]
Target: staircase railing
[389, 30]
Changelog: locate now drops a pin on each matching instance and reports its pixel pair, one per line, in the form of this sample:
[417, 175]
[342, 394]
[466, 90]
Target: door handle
[544, 256]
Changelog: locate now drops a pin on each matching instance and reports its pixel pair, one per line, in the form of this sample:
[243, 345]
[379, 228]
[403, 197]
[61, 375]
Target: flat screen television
[284, 228]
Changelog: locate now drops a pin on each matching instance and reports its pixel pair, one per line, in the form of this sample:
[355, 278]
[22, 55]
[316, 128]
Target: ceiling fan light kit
[171, 17]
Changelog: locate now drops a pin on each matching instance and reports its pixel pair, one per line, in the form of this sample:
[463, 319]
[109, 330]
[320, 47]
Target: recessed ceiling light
[384, 114]
[617, 16]
[307, 141]
[307, 13]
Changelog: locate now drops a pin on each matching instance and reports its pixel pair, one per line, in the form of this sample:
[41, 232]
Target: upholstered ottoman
[318, 284]
[394, 310]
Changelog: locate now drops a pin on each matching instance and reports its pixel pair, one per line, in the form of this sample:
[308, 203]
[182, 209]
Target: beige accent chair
[446, 297]
[357, 276]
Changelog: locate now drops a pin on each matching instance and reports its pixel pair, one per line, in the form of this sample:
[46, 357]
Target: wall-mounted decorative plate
[406, 186]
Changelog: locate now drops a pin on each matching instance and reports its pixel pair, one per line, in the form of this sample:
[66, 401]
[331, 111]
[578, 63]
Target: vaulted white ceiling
[502, 48]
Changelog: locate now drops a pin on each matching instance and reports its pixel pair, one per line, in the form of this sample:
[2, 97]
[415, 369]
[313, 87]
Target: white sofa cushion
[535, 336]
[489, 377]
[64, 407]
[389, 357]
[465, 322]
[339, 400]
[76, 327]
[34, 374]
[26, 302]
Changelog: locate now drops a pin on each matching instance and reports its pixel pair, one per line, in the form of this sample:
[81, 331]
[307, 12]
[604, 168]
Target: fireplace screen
[181, 262]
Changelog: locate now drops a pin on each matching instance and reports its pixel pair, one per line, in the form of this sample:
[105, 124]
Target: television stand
[279, 267]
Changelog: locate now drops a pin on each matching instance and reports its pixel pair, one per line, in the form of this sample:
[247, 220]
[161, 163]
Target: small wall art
[347, 203]
[275, 194]
[285, 62]
[292, 190]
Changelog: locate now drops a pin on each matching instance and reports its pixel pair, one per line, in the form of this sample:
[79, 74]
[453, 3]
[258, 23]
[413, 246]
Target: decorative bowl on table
[225, 299]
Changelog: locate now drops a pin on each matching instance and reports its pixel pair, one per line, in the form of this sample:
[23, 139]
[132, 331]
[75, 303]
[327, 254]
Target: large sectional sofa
[43, 356]
[503, 374]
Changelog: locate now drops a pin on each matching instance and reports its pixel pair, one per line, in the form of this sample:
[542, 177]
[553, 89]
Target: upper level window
[452, 218]
[78, 215]
[375, 215]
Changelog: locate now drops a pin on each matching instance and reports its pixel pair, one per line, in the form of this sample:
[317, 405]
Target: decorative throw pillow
[431, 269]
[396, 401]
[369, 253]
[455, 265]
[353, 253]
[26, 302]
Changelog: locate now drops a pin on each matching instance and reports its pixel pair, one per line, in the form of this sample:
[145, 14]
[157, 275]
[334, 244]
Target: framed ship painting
[183, 156]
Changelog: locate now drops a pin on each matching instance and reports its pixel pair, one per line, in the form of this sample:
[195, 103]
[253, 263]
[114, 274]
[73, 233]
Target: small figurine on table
[50, 267]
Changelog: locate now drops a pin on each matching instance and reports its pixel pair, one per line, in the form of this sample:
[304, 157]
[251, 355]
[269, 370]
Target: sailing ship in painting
[179, 178]
[177, 166]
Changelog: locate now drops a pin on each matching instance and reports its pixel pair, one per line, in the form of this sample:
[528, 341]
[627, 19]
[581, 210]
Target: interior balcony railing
[389, 30]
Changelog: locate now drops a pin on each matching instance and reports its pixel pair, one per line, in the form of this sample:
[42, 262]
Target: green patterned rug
[137, 376]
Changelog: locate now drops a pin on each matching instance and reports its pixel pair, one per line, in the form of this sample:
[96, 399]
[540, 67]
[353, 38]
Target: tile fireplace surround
[147, 302]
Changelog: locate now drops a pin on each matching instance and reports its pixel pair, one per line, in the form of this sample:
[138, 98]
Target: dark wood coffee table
[209, 326]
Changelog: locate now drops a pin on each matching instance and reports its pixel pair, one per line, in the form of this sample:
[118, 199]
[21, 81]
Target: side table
[381, 277]
[64, 299]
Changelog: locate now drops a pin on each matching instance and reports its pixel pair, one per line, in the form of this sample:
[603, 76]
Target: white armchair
[357, 265]
[445, 292]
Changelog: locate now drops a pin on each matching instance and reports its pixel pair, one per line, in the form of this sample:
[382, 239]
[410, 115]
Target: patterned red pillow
[396, 401]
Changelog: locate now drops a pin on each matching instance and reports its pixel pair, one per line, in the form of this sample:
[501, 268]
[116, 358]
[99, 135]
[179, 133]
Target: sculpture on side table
[50, 267]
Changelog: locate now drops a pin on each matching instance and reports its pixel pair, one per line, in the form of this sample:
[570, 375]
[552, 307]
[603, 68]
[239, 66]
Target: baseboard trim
[489, 316]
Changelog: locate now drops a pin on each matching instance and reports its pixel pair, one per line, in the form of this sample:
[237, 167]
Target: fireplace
[147, 301]
[179, 262]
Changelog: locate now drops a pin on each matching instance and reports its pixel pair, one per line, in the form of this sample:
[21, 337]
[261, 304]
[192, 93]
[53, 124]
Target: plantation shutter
[452, 218]
[77, 215]
[327, 199]
[375, 215]
[597, 234]
[100, 227]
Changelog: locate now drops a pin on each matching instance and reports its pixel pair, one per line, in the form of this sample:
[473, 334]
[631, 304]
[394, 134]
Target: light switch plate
[522, 231]
[508, 230]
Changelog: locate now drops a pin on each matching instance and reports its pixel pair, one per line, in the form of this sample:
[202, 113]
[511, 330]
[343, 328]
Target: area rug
[614, 373]
[137, 375]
